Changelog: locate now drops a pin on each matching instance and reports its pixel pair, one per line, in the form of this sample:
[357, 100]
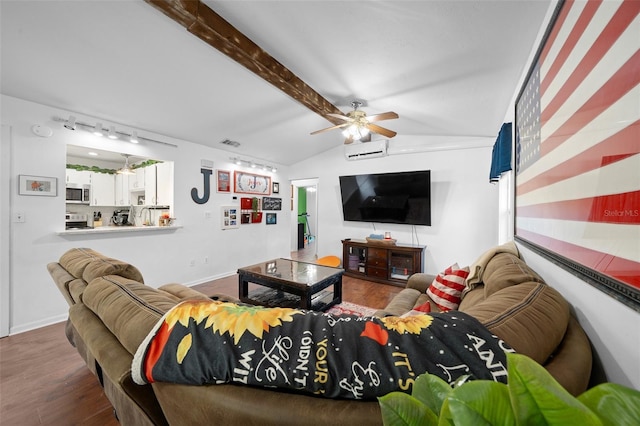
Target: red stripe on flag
[623, 17]
[616, 208]
[570, 42]
[621, 269]
[627, 77]
[615, 148]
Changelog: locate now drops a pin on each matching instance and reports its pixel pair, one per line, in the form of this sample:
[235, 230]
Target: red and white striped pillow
[446, 288]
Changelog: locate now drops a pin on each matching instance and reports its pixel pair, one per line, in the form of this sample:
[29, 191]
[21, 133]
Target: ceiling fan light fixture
[355, 131]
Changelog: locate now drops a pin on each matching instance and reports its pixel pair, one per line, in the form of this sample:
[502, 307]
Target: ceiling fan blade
[330, 128]
[390, 115]
[381, 130]
[340, 116]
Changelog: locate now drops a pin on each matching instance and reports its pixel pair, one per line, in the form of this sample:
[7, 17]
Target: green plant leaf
[613, 403]
[537, 398]
[445, 414]
[401, 409]
[431, 390]
[481, 402]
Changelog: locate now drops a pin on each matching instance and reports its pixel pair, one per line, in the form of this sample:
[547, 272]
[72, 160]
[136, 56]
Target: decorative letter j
[206, 173]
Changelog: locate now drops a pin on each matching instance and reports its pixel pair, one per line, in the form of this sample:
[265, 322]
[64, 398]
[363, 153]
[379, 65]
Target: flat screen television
[402, 197]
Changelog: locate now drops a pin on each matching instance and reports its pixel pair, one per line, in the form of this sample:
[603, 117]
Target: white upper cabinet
[80, 177]
[102, 189]
[122, 190]
[164, 184]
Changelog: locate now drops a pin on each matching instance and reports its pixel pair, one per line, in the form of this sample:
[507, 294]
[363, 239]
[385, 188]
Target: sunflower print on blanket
[334, 356]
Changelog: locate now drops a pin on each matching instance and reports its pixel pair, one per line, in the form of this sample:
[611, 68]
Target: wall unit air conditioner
[360, 151]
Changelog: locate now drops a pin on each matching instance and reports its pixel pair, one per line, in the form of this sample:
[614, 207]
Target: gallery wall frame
[271, 203]
[41, 186]
[272, 218]
[229, 217]
[250, 183]
[223, 181]
[577, 157]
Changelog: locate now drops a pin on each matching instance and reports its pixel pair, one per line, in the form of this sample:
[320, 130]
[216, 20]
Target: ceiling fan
[357, 126]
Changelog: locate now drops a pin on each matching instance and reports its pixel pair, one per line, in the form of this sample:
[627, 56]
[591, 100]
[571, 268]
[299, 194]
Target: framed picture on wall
[250, 183]
[223, 180]
[230, 217]
[37, 185]
[276, 187]
[577, 180]
[272, 218]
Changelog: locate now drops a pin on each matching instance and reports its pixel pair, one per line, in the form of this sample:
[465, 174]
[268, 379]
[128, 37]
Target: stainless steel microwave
[78, 194]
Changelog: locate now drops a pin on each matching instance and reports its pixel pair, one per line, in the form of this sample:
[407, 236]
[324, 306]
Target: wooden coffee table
[290, 283]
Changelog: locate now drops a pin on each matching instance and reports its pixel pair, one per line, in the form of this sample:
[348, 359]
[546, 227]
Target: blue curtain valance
[501, 156]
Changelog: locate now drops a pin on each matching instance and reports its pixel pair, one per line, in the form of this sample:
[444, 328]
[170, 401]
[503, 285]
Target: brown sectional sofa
[112, 310]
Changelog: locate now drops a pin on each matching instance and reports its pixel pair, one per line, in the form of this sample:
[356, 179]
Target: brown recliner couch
[514, 302]
[111, 312]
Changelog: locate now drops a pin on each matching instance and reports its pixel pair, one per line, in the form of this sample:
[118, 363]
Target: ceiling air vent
[230, 143]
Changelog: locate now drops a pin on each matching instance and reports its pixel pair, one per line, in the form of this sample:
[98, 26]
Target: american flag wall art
[577, 145]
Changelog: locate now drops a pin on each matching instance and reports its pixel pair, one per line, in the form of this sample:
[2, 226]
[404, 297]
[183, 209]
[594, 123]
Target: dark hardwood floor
[43, 380]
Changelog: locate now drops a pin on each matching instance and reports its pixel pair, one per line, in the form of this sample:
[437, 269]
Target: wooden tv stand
[381, 262]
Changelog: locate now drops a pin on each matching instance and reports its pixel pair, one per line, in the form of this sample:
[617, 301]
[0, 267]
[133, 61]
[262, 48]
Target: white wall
[162, 257]
[612, 327]
[464, 205]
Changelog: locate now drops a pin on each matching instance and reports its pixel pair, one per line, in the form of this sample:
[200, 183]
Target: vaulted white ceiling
[448, 68]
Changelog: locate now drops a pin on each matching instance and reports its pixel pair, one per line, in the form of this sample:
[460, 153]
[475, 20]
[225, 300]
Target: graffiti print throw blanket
[346, 356]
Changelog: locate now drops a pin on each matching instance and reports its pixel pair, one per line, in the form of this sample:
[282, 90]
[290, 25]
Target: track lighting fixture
[70, 123]
[253, 164]
[112, 133]
[97, 130]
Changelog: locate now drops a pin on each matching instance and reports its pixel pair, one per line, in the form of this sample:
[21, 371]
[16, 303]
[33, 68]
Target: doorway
[304, 219]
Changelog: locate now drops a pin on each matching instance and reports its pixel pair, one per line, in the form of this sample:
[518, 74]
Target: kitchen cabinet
[136, 181]
[381, 262]
[80, 177]
[122, 194]
[103, 189]
[150, 185]
[164, 184]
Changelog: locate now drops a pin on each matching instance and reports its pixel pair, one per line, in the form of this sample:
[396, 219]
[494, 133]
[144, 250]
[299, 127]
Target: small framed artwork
[271, 203]
[223, 180]
[37, 185]
[276, 188]
[272, 218]
[249, 183]
[230, 217]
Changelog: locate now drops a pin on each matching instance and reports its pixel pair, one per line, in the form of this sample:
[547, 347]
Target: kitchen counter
[117, 229]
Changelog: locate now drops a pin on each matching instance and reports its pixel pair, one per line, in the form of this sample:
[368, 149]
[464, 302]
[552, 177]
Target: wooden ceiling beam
[213, 29]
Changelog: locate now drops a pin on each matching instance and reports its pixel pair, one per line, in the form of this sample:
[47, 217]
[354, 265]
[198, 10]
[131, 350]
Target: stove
[76, 221]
